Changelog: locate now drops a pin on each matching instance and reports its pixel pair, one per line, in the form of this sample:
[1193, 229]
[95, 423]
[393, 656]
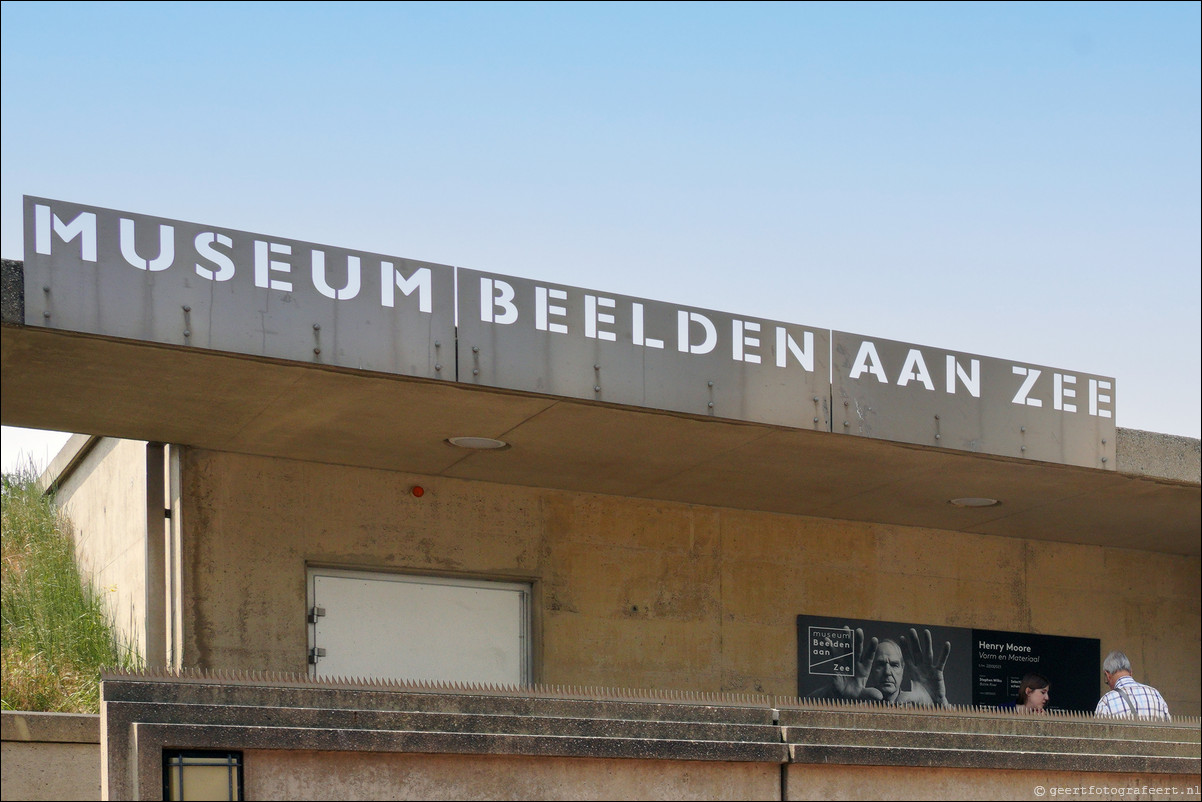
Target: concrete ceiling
[96, 385]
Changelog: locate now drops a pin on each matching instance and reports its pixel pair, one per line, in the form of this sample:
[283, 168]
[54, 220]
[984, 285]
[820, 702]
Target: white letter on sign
[83, 226]
[391, 280]
[682, 333]
[1096, 397]
[740, 339]
[972, 380]
[785, 345]
[868, 360]
[352, 277]
[915, 369]
[1060, 392]
[638, 333]
[592, 317]
[204, 247]
[1021, 396]
[130, 252]
[264, 264]
[503, 299]
[542, 309]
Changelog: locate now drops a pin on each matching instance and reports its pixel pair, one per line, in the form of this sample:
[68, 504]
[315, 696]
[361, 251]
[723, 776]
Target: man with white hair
[1128, 698]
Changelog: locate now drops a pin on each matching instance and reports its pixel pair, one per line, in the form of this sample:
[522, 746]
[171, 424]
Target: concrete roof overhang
[106, 386]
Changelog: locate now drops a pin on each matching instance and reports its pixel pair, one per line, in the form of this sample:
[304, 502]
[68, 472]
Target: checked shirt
[1148, 701]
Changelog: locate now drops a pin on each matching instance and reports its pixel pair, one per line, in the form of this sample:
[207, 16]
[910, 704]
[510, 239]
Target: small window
[193, 774]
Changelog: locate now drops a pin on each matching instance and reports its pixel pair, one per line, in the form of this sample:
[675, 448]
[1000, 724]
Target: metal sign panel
[107, 272]
[567, 341]
[983, 667]
[932, 396]
[118, 274]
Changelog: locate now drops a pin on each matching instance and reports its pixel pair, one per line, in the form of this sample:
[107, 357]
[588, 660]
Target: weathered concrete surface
[640, 593]
[12, 291]
[49, 756]
[1163, 456]
[296, 775]
[1030, 781]
[105, 500]
[329, 740]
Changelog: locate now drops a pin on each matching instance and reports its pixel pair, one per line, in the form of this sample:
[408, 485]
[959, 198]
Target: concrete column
[175, 596]
[156, 557]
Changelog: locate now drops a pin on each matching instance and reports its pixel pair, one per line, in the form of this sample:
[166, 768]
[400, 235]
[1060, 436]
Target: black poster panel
[1073, 666]
[828, 650]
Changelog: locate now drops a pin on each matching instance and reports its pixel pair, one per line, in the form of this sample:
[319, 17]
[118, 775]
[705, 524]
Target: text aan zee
[1029, 382]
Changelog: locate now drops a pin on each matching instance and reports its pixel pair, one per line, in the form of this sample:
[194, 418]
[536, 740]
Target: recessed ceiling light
[478, 443]
[974, 501]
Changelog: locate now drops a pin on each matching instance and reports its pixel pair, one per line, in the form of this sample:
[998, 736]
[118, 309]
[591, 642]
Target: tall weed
[56, 634]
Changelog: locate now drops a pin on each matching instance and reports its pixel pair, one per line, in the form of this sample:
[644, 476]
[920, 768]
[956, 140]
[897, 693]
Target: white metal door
[394, 626]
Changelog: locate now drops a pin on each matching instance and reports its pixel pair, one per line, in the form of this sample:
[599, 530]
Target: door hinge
[315, 654]
[316, 613]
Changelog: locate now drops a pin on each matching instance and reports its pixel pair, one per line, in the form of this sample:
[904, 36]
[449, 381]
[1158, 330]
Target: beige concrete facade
[49, 756]
[892, 782]
[297, 775]
[646, 594]
[300, 775]
[104, 497]
[333, 739]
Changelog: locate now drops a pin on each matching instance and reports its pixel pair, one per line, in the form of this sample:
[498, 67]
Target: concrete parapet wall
[333, 740]
[50, 756]
[1161, 456]
[294, 775]
[805, 781]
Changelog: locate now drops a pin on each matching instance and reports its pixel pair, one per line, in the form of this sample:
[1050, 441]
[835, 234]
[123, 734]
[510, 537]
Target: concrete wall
[296, 775]
[632, 593]
[49, 756]
[892, 782]
[105, 499]
[308, 739]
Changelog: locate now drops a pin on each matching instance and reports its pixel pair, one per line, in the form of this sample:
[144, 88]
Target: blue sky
[1017, 180]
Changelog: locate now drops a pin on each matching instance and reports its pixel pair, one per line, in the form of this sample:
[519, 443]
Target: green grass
[57, 635]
